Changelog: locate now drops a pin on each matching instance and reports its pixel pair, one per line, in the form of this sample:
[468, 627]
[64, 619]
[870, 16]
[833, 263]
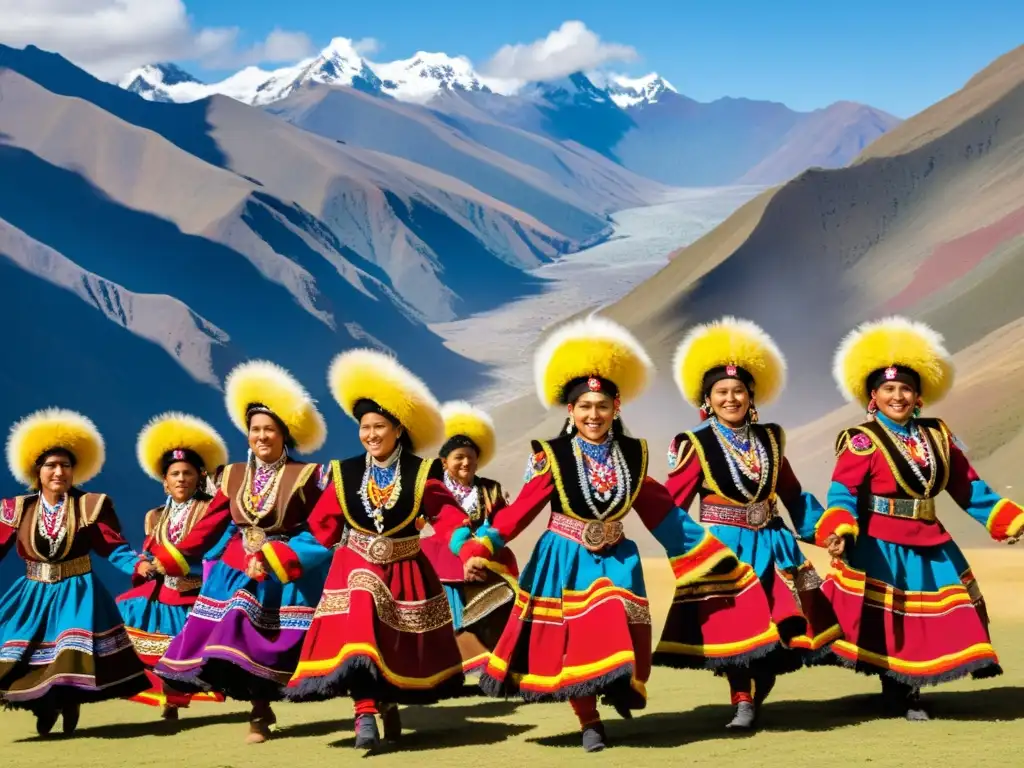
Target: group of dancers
[387, 578]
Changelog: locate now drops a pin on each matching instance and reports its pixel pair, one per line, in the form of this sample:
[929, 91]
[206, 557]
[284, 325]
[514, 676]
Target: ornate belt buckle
[253, 539]
[612, 532]
[380, 550]
[598, 534]
[757, 514]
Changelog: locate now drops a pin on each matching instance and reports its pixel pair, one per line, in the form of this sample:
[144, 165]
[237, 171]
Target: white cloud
[570, 48]
[110, 37]
[367, 46]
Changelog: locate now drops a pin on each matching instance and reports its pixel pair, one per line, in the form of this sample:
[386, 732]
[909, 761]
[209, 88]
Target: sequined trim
[149, 645]
[486, 601]
[81, 640]
[288, 617]
[419, 616]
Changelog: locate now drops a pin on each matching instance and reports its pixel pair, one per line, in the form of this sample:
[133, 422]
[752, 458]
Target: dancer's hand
[475, 569]
[160, 567]
[836, 545]
[145, 569]
[255, 570]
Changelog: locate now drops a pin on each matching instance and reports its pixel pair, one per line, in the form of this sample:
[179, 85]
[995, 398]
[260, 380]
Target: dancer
[62, 641]
[243, 636]
[175, 449]
[581, 625]
[770, 617]
[480, 609]
[383, 629]
[911, 610]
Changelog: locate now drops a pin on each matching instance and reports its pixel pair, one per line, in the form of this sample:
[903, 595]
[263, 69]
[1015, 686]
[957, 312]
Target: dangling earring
[568, 423]
[752, 414]
[917, 408]
[872, 408]
[705, 411]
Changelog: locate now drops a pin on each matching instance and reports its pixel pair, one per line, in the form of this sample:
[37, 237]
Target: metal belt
[595, 535]
[382, 550]
[183, 583]
[51, 573]
[754, 516]
[912, 509]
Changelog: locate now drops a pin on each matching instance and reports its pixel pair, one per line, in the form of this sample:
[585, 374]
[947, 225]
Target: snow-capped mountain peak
[424, 74]
[637, 91]
[153, 81]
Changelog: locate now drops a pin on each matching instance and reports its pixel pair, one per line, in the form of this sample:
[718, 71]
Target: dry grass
[816, 712]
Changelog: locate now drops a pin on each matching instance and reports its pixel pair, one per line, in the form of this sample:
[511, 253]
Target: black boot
[392, 721]
[46, 719]
[70, 718]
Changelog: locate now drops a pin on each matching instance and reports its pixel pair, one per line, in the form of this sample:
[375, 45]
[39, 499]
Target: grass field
[813, 716]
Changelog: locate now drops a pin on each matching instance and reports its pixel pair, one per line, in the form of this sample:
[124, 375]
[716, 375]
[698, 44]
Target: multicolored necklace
[914, 448]
[260, 486]
[53, 523]
[744, 454]
[381, 487]
[603, 474]
[177, 513]
[468, 496]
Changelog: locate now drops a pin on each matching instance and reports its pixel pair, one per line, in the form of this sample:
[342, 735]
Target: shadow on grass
[428, 729]
[705, 723]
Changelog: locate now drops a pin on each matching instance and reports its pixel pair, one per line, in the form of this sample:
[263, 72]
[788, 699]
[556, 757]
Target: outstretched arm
[693, 552]
[106, 537]
[510, 521]
[1003, 518]
[804, 508]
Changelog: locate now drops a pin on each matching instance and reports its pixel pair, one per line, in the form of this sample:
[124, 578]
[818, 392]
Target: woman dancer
[175, 449]
[243, 636]
[480, 609]
[909, 606]
[738, 468]
[581, 624]
[62, 642]
[383, 628]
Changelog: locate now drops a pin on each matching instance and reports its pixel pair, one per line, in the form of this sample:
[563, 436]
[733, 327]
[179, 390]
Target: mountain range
[643, 124]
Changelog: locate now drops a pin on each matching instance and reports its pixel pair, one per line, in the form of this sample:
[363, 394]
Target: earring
[872, 408]
[752, 414]
[705, 412]
[917, 408]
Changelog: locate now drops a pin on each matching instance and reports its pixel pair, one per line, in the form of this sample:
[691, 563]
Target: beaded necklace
[603, 474]
[381, 487]
[176, 513]
[468, 496]
[53, 523]
[744, 454]
[914, 448]
[260, 486]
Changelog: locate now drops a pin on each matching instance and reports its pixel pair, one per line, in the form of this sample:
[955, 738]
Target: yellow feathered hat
[883, 347]
[52, 428]
[178, 432]
[465, 420]
[367, 374]
[729, 342]
[592, 348]
[260, 382]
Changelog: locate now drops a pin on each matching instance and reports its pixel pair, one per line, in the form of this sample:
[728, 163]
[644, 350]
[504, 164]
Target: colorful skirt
[153, 615]
[63, 644]
[381, 632]
[915, 614]
[580, 626]
[768, 613]
[480, 612]
[243, 637]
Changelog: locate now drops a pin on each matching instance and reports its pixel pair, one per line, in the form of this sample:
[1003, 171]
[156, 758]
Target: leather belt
[753, 516]
[51, 573]
[912, 509]
[595, 535]
[183, 583]
[382, 550]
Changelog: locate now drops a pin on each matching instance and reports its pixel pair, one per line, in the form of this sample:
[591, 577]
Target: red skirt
[381, 632]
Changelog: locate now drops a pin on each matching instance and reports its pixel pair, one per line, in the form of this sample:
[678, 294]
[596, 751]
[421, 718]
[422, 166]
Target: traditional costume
[581, 624]
[243, 636]
[910, 608]
[382, 633]
[480, 609]
[769, 616]
[155, 610]
[62, 641]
